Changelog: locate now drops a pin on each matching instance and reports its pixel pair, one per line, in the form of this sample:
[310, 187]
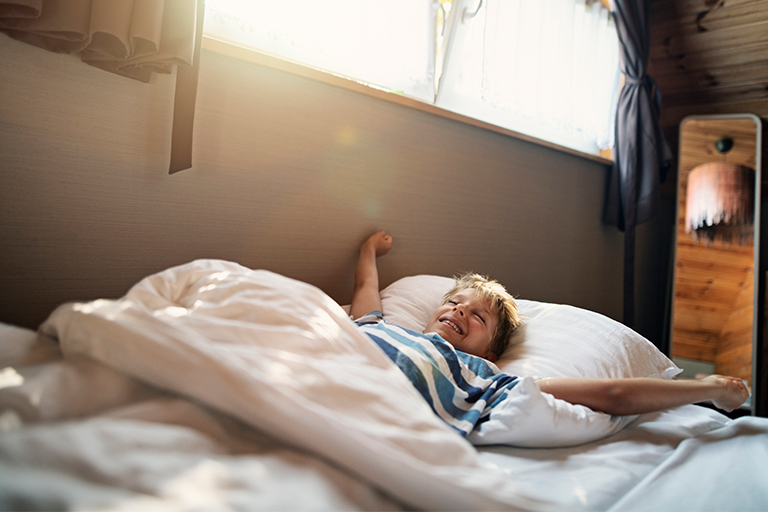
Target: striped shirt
[460, 388]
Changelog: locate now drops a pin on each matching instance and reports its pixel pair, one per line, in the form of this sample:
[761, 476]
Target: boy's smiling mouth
[451, 324]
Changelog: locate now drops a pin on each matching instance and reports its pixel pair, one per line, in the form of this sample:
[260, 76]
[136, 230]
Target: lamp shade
[720, 203]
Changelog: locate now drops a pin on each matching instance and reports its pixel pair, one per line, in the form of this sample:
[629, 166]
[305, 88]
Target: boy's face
[467, 322]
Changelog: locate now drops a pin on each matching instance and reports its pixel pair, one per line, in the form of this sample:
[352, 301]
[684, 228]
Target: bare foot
[380, 242]
[734, 392]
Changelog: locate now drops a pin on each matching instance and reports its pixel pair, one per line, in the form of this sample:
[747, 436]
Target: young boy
[449, 363]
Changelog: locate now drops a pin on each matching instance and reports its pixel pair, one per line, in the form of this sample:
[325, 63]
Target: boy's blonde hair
[503, 306]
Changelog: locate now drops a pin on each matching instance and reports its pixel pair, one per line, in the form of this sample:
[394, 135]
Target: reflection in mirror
[713, 321]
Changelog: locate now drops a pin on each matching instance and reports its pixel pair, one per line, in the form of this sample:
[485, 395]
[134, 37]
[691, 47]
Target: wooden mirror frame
[696, 331]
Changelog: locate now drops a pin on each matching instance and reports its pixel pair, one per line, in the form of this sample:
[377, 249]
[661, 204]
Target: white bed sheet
[154, 407]
[599, 475]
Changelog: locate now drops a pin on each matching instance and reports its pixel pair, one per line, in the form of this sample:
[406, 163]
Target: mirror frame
[756, 407]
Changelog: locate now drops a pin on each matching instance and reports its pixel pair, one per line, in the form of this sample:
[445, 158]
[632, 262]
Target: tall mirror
[714, 327]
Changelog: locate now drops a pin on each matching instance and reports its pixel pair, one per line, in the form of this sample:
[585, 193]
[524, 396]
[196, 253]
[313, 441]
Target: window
[546, 68]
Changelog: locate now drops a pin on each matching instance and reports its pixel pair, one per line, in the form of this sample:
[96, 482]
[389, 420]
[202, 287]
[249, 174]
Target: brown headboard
[289, 175]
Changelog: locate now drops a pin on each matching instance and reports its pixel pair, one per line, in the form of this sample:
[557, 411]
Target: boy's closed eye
[476, 313]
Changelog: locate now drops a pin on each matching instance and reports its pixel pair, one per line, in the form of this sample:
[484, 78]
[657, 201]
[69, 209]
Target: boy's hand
[380, 242]
[734, 392]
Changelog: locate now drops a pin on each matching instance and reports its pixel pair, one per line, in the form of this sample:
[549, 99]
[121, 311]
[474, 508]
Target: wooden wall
[734, 352]
[709, 282]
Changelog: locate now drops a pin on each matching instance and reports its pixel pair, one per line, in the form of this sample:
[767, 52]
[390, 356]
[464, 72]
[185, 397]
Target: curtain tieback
[648, 81]
[645, 79]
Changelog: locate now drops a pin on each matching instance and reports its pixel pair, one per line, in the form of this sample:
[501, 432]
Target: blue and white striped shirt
[461, 388]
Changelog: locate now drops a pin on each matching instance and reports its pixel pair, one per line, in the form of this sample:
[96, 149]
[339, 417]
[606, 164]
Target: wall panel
[289, 175]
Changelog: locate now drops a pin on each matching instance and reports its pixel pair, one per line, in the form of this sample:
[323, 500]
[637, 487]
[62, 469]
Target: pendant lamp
[720, 201]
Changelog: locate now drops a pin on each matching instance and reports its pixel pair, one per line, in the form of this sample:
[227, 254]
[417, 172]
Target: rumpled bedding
[281, 356]
[213, 386]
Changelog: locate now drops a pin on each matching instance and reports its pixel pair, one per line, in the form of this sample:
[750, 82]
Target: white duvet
[213, 386]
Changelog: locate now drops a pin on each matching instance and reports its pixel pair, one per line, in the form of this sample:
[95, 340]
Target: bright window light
[546, 68]
[390, 44]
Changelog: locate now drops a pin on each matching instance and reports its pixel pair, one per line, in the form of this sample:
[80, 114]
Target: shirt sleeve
[373, 317]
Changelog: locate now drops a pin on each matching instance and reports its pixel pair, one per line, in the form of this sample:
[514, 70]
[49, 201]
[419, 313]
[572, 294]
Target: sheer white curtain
[546, 68]
[389, 44]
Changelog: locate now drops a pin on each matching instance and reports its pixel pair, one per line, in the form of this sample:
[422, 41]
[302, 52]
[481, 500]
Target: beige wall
[289, 175]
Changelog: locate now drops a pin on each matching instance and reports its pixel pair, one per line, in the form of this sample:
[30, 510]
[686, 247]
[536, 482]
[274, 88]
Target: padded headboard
[289, 175]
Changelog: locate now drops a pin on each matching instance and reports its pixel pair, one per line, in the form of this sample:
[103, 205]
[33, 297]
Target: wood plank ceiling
[709, 57]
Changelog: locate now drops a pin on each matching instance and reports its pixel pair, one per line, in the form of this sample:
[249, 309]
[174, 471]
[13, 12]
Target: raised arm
[366, 296]
[637, 396]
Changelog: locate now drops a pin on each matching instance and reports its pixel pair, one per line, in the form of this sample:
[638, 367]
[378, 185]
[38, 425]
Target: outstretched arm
[636, 396]
[366, 296]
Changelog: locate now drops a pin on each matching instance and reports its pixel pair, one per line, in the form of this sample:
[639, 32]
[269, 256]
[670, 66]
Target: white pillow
[410, 301]
[554, 340]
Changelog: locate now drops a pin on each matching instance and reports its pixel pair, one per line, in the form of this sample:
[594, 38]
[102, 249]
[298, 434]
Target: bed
[212, 386]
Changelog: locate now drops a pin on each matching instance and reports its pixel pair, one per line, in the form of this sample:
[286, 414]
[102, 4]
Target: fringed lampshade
[720, 203]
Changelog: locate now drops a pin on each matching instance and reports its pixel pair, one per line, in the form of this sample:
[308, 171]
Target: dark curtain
[133, 38]
[184, 102]
[641, 154]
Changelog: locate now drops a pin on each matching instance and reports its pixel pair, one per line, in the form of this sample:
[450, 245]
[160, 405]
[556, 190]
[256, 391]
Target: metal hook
[465, 16]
